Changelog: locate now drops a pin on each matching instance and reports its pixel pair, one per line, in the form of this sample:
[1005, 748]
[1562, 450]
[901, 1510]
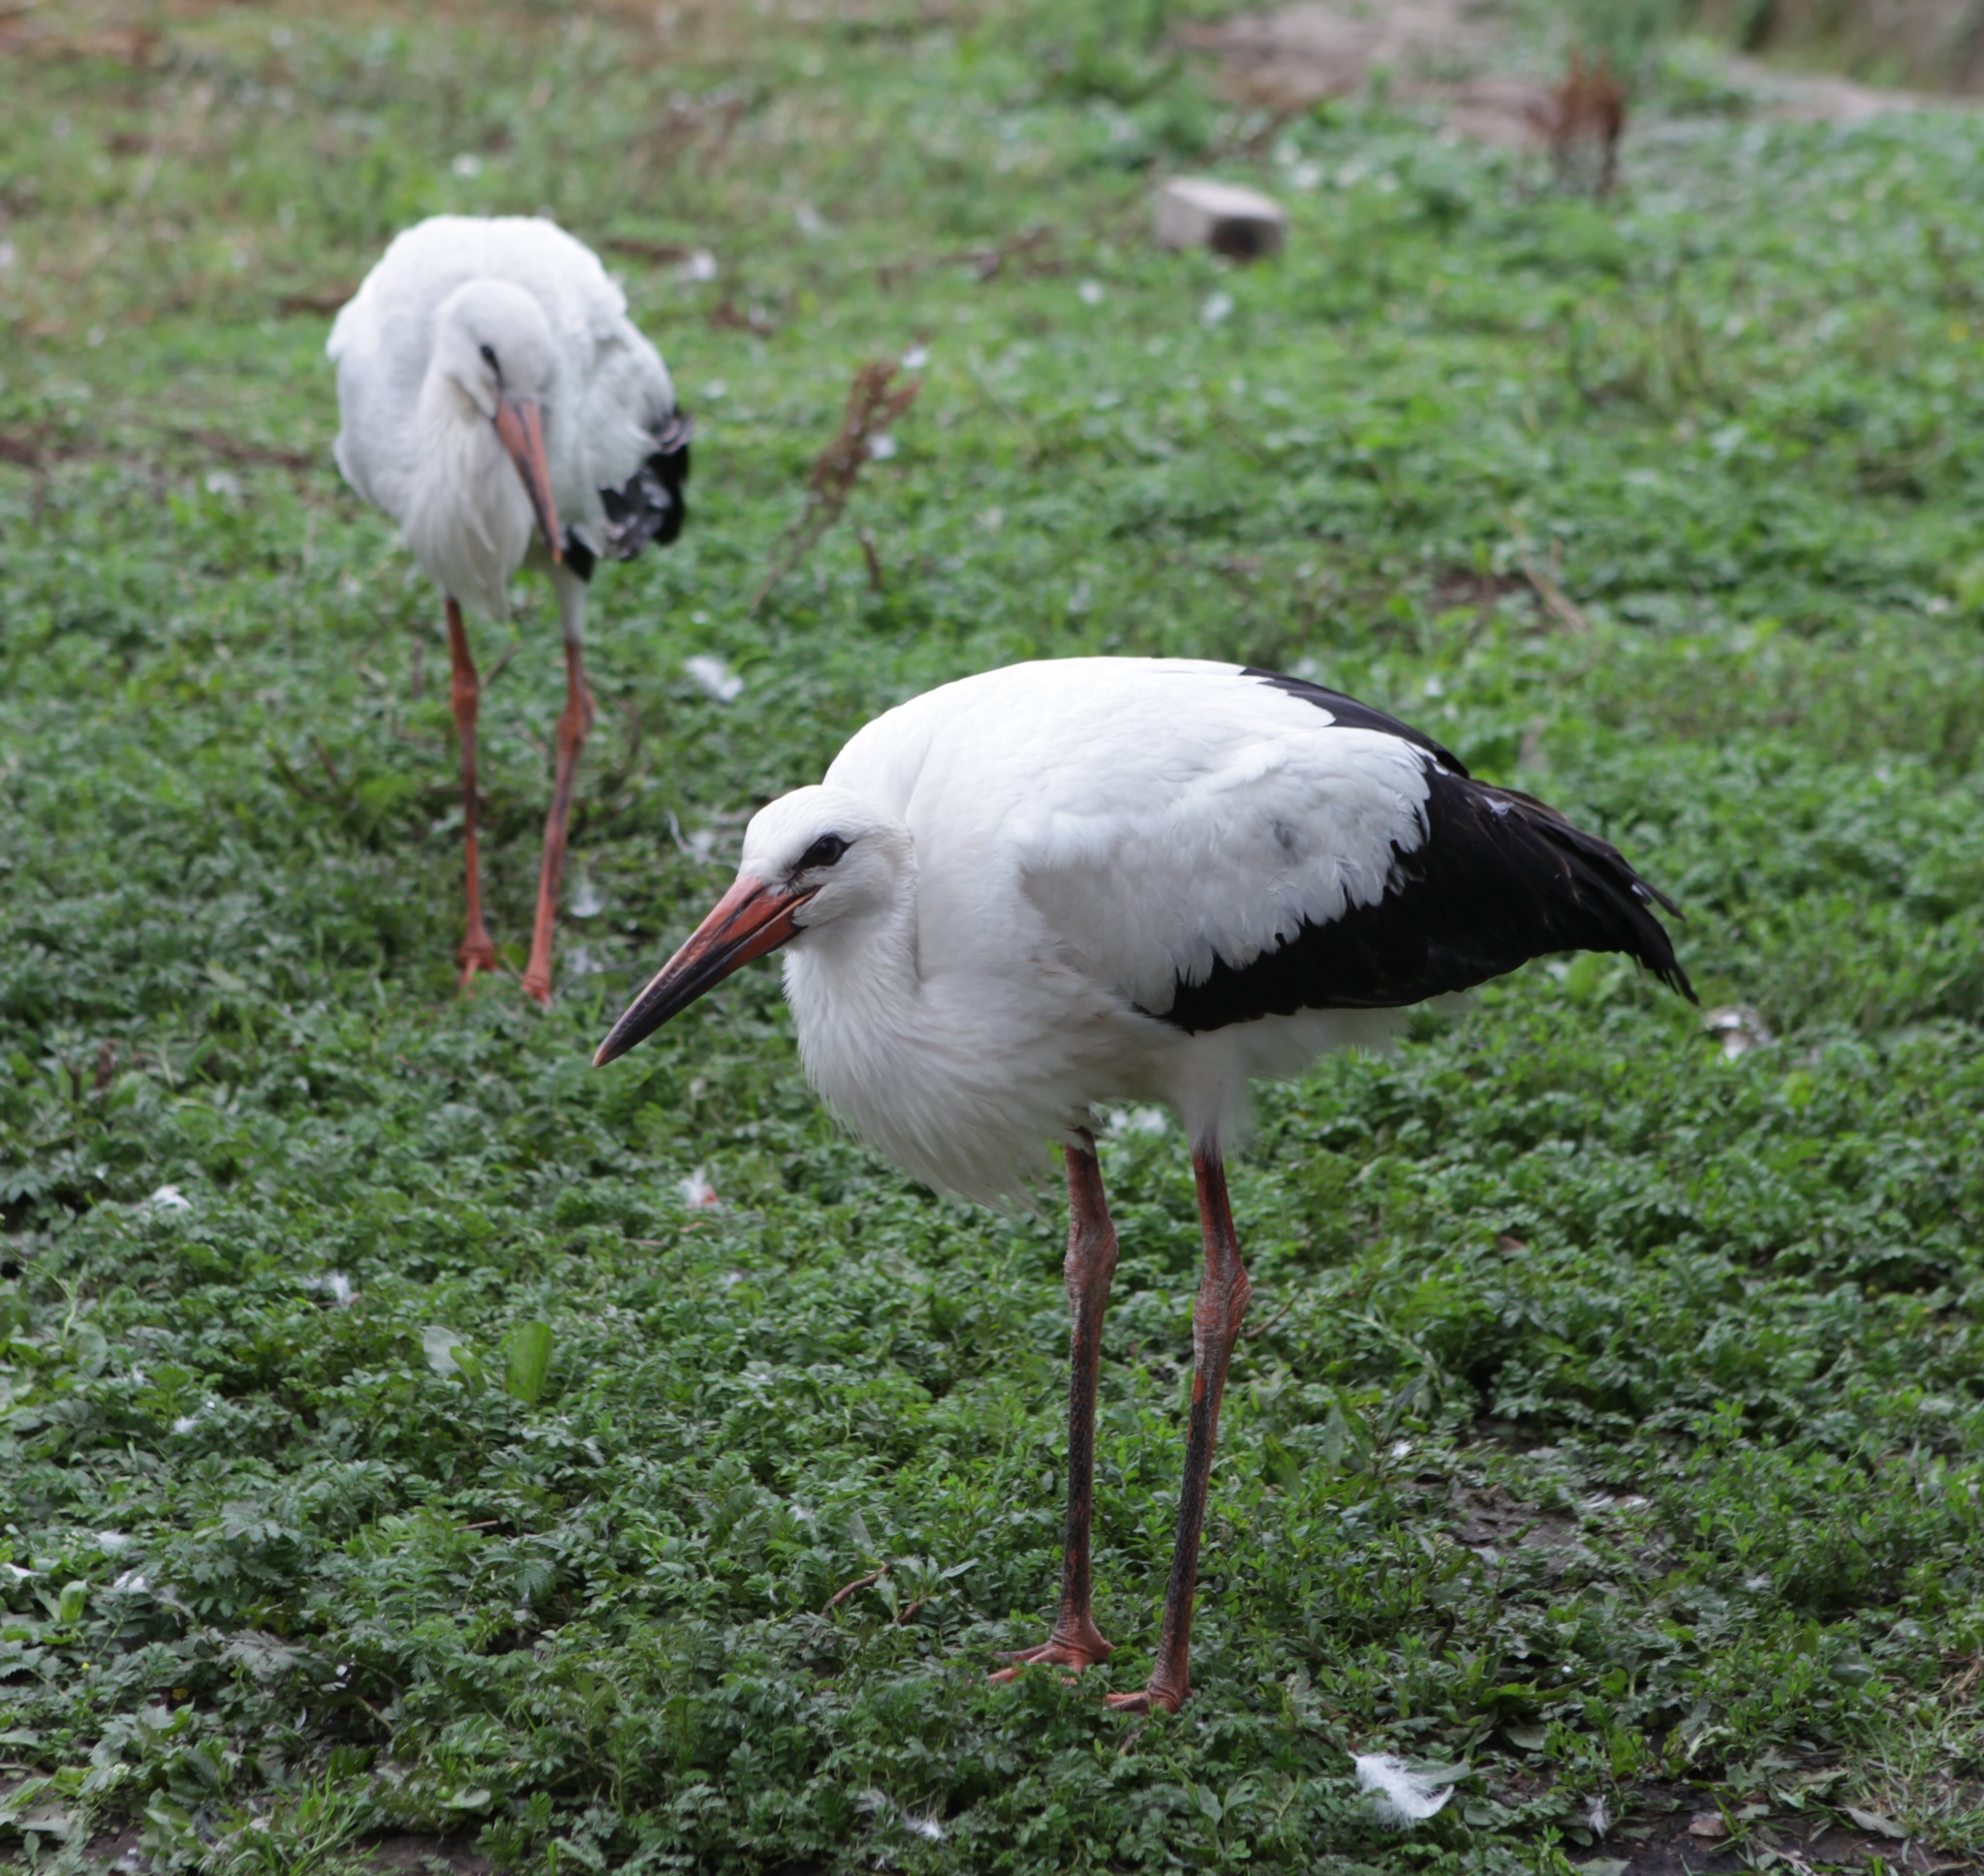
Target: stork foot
[1146, 1700]
[474, 956]
[1078, 1647]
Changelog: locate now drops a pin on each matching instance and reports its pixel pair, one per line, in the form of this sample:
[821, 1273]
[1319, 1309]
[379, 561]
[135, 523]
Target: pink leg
[477, 953]
[1076, 1642]
[1223, 1296]
[575, 724]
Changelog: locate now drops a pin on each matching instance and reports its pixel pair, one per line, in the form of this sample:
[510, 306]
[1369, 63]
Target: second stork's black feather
[651, 507]
[1497, 878]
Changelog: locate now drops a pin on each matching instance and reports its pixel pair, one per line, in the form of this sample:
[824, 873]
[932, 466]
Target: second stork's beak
[522, 430]
[745, 923]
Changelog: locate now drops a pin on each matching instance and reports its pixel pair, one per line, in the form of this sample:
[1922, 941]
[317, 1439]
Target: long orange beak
[745, 923]
[522, 430]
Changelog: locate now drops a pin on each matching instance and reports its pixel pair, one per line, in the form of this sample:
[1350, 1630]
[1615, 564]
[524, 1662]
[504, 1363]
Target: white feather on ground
[714, 678]
[1400, 1796]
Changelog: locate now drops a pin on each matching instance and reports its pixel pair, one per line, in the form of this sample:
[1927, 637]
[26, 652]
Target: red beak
[522, 430]
[745, 923]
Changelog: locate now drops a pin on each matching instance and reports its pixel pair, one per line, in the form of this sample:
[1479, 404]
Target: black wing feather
[1353, 714]
[1498, 879]
[652, 506]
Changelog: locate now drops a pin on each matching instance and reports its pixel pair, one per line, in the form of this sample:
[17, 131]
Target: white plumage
[498, 403]
[416, 441]
[1082, 839]
[1062, 885]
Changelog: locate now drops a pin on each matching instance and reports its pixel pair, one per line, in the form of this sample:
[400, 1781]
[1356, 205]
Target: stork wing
[1216, 844]
[1350, 865]
[1195, 857]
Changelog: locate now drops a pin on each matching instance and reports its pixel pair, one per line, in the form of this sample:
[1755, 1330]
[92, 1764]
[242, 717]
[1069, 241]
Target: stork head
[816, 860]
[493, 344]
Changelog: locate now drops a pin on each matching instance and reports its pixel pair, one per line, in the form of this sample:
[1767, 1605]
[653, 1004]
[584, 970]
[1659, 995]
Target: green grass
[291, 1566]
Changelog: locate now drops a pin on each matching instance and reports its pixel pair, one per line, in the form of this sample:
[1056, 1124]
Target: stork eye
[489, 359]
[824, 853]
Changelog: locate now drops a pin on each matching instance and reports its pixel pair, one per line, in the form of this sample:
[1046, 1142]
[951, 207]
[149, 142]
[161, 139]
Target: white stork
[1140, 879]
[498, 403]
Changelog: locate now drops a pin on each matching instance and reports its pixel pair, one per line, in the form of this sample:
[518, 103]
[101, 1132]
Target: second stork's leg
[1222, 1295]
[477, 953]
[575, 724]
[1076, 1642]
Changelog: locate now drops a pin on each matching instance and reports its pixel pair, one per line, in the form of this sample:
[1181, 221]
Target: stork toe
[474, 957]
[1077, 1648]
[1145, 1699]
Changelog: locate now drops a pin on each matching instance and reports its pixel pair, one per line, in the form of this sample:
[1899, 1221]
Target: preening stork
[1138, 879]
[498, 403]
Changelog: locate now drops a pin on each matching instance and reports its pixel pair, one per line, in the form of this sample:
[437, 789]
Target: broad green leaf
[529, 1362]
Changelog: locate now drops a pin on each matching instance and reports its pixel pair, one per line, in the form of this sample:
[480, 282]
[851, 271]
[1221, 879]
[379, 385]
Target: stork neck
[854, 987]
[469, 518]
[872, 953]
[924, 1064]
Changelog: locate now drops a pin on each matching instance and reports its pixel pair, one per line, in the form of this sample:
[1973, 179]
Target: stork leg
[1076, 1642]
[575, 724]
[1222, 1295]
[477, 953]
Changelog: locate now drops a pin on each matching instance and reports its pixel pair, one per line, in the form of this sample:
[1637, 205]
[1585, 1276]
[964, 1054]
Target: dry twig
[727, 316]
[320, 304]
[1032, 254]
[661, 254]
[1581, 121]
[868, 1581]
[26, 450]
[295, 782]
[239, 450]
[873, 556]
[875, 402]
[1556, 602]
[1959, 1685]
[1275, 1321]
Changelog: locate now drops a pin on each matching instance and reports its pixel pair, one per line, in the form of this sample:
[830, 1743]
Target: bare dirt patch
[424, 1852]
[402, 1853]
[1936, 44]
[1443, 52]
[1681, 1831]
[1460, 58]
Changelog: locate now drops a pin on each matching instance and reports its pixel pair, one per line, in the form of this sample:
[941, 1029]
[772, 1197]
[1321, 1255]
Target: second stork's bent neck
[468, 518]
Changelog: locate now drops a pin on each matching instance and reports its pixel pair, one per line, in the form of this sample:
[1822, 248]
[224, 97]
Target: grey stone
[1197, 212]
